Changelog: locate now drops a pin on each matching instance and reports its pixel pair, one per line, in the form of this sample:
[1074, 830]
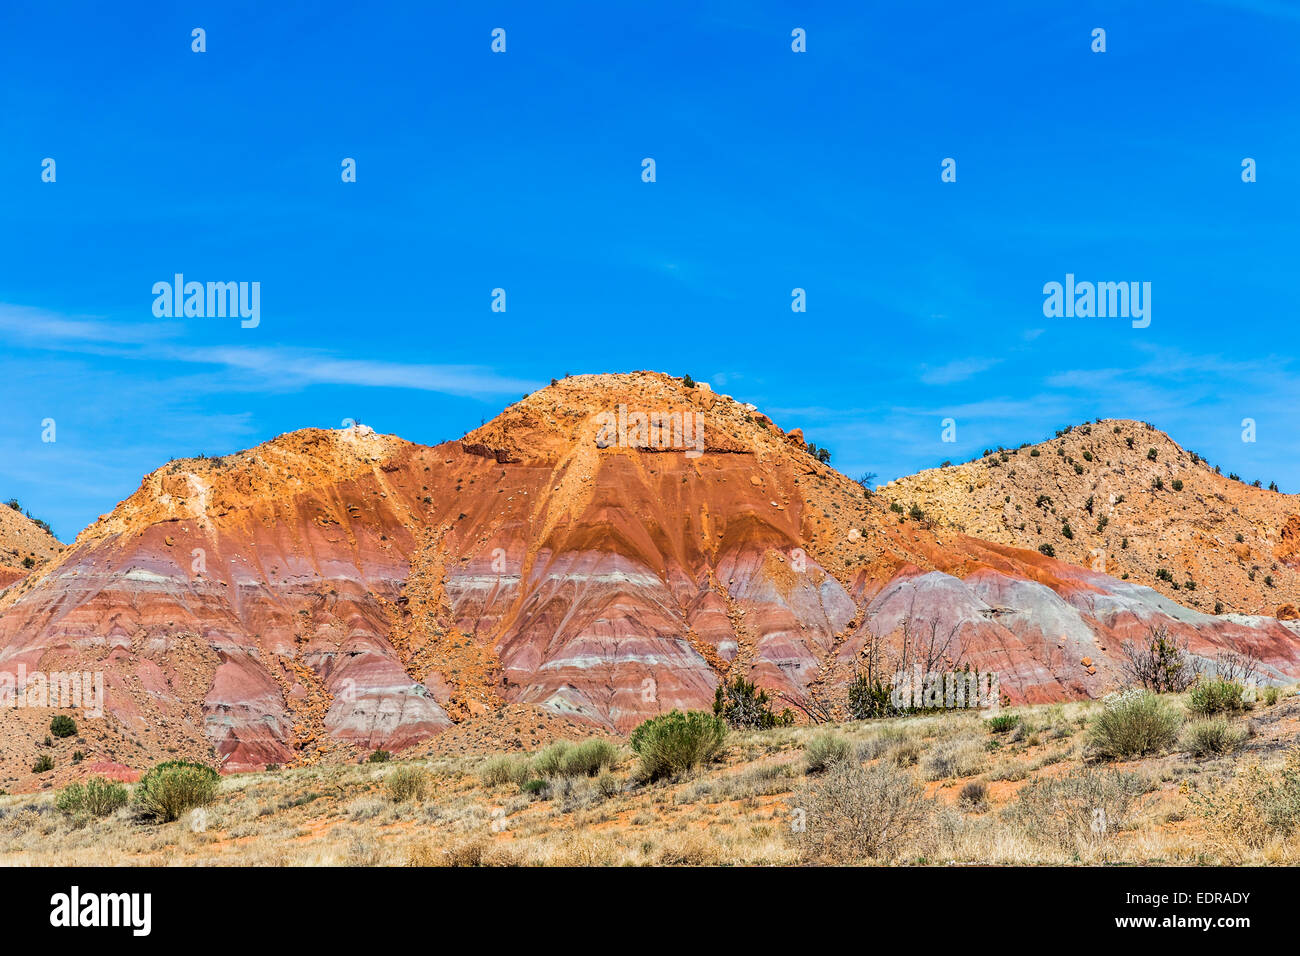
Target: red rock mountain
[330, 591]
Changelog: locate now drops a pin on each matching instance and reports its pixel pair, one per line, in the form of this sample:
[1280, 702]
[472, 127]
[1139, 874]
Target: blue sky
[522, 170]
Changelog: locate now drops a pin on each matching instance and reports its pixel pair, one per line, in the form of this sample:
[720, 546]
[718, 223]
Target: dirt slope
[1238, 545]
[22, 541]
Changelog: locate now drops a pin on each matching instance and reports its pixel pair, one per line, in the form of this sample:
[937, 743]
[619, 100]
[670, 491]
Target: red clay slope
[333, 588]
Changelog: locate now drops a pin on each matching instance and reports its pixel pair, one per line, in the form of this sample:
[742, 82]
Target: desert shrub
[551, 760]
[743, 705]
[1001, 723]
[608, 784]
[97, 797]
[869, 699]
[63, 726]
[1215, 696]
[854, 813]
[379, 756]
[823, 750]
[590, 757]
[1212, 737]
[905, 754]
[408, 783]
[497, 771]
[1132, 724]
[675, 742]
[1159, 663]
[1047, 550]
[1079, 810]
[1272, 694]
[1256, 804]
[172, 787]
[962, 757]
[975, 795]
[43, 763]
[472, 851]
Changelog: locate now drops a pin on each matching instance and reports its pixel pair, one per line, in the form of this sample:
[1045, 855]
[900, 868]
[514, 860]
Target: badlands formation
[329, 593]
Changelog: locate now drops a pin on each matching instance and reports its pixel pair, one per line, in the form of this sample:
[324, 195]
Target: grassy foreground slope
[949, 787]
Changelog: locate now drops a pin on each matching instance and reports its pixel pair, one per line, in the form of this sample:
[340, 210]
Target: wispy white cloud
[956, 371]
[272, 368]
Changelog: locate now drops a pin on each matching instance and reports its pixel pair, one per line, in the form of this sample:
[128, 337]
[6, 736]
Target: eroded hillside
[331, 592]
[1125, 498]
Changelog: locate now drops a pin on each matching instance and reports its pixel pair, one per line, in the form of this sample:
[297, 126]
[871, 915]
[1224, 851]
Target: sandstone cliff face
[331, 591]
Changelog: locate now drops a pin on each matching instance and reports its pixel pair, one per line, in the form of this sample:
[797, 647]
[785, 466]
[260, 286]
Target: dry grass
[951, 789]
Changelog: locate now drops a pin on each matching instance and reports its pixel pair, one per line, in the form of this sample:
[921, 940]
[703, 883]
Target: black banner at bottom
[343, 906]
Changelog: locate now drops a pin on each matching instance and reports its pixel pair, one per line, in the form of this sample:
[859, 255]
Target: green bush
[43, 764]
[869, 699]
[564, 758]
[551, 761]
[1132, 724]
[408, 783]
[1212, 738]
[379, 756]
[1001, 723]
[498, 771]
[97, 797]
[1215, 696]
[675, 742]
[824, 750]
[743, 705]
[172, 787]
[1272, 694]
[590, 757]
[63, 726]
